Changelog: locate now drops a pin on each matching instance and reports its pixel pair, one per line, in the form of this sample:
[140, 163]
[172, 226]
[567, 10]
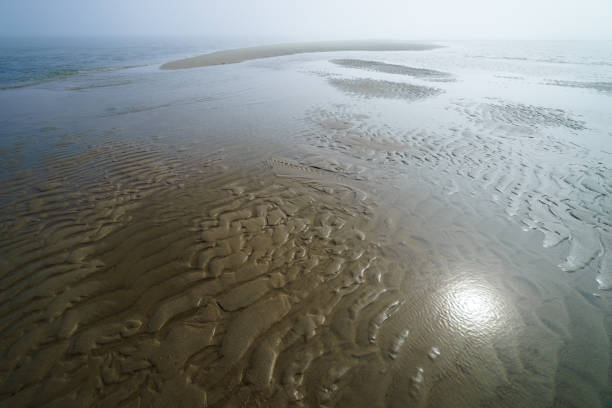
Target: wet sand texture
[373, 88]
[524, 117]
[392, 68]
[165, 290]
[564, 204]
[265, 286]
[277, 50]
[598, 86]
[348, 262]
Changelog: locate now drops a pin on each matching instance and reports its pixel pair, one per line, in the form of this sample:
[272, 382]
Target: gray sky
[313, 19]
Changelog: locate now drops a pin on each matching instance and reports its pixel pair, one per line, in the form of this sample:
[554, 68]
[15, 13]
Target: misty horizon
[269, 20]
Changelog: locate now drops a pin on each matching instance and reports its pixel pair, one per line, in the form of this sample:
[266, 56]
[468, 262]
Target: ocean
[282, 231]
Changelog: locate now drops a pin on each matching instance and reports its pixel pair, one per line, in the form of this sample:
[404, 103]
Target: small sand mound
[598, 86]
[372, 88]
[391, 68]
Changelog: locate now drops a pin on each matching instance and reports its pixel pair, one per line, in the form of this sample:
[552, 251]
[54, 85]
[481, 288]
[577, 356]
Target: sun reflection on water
[473, 307]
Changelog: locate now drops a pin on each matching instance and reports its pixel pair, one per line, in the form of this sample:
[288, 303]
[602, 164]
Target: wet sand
[266, 51]
[371, 88]
[393, 69]
[243, 269]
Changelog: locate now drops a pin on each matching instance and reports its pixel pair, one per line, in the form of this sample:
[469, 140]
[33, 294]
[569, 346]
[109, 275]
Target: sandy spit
[266, 51]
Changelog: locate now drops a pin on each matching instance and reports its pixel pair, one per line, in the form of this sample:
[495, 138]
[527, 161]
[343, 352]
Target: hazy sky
[313, 19]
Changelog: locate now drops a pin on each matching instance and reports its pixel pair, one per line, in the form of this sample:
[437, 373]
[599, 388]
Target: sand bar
[266, 51]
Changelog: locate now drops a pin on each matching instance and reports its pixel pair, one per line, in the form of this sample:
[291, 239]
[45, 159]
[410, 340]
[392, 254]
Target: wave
[64, 74]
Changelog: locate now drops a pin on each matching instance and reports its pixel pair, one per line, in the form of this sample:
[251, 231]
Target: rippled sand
[351, 264]
[394, 69]
[383, 89]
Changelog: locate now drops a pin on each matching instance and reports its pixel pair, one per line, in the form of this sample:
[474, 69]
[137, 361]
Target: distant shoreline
[237, 55]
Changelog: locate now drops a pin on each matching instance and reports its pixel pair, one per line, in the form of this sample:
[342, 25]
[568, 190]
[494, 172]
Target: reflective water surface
[352, 229]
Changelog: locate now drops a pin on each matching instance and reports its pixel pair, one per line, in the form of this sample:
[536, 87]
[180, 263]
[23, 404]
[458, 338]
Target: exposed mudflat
[523, 118]
[267, 51]
[372, 88]
[393, 69]
[278, 238]
[598, 86]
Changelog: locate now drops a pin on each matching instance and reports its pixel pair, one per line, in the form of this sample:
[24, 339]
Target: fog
[312, 19]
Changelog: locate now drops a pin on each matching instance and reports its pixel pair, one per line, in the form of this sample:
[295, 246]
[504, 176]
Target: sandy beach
[267, 51]
[374, 224]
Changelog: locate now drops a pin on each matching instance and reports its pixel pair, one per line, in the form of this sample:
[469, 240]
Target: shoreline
[237, 55]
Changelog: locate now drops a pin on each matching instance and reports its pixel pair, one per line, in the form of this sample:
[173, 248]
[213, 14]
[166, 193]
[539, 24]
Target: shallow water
[318, 230]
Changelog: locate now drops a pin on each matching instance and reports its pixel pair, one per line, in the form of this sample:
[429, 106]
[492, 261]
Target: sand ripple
[598, 86]
[146, 286]
[372, 88]
[521, 116]
[566, 204]
[393, 69]
[369, 266]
